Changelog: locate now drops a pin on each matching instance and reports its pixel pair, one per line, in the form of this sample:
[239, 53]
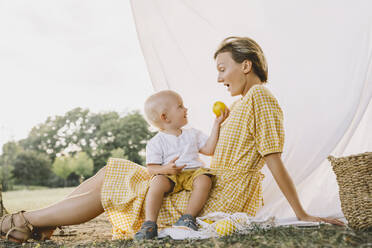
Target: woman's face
[231, 74]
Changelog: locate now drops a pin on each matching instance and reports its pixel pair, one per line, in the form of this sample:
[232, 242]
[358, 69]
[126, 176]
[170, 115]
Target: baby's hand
[222, 116]
[172, 168]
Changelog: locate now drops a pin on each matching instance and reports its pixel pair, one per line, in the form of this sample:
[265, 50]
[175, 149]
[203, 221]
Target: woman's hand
[319, 219]
[222, 116]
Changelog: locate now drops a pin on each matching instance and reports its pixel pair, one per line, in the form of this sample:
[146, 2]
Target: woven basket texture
[354, 178]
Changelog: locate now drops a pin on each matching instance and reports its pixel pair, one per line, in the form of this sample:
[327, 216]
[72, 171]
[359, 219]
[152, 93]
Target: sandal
[186, 221]
[149, 230]
[27, 228]
[43, 233]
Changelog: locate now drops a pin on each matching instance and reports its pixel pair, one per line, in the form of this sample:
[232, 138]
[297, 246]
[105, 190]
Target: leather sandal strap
[25, 228]
[1, 223]
[26, 224]
[12, 221]
[18, 229]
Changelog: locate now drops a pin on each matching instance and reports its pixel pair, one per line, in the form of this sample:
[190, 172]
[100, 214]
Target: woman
[252, 136]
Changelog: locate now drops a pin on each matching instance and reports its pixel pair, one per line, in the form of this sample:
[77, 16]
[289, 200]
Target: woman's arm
[285, 183]
[210, 145]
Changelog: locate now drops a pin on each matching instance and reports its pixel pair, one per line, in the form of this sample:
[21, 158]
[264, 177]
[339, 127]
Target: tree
[118, 153]
[10, 152]
[62, 167]
[32, 168]
[82, 165]
[68, 168]
[96, 134]
[129, 133]
[61, 134]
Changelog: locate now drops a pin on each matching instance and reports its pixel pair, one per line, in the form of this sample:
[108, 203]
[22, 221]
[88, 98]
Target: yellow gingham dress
[253, 130]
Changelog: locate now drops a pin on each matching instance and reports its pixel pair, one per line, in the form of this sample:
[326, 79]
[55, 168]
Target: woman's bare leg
[87, 184]
[83, 205]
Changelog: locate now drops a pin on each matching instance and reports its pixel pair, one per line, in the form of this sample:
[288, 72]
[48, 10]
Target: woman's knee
[97, 180]
[101, 173]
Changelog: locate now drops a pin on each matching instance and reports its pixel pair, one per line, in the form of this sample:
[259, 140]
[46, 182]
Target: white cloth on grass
[242, 223]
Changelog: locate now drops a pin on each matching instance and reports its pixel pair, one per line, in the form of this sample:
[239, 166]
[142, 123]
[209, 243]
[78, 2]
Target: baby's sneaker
[186, 221]
[149, 230]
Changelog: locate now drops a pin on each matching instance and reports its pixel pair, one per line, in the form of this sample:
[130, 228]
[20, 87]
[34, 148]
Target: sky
[59, 55]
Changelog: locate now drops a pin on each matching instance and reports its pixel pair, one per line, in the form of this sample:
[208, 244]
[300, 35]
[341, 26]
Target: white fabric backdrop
[320, 69]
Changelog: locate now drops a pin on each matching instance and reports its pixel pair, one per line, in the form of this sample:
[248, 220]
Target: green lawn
[323, 236]
[33, 199]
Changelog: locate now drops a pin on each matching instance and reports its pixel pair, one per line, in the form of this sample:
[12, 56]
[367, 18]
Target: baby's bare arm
[210, 145]
[170, 168]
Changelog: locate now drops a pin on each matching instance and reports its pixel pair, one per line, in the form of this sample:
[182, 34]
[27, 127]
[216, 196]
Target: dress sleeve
[267, 125]
[154, 154]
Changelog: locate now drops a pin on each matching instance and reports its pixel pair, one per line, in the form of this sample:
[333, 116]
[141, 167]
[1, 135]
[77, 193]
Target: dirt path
[98, 229]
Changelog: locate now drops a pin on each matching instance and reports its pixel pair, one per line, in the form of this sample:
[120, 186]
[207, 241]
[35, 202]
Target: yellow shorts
[185, 179]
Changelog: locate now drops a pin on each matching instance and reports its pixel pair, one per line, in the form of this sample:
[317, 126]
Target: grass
[25, 187]
[23, 199]
[322, 236]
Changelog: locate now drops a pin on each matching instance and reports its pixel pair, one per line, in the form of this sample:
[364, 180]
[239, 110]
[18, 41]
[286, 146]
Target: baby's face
[177, 113]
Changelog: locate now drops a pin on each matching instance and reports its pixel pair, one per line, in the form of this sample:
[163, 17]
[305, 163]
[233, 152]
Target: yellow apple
[218, 108]
[225, 227]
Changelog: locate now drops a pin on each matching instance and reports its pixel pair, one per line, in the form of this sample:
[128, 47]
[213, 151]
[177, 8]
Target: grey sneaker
[186, 221]
[149, 230]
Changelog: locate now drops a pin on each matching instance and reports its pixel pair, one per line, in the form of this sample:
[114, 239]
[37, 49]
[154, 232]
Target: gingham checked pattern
[253, 129]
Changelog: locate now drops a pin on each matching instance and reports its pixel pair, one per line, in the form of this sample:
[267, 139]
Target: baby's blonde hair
[156, 105]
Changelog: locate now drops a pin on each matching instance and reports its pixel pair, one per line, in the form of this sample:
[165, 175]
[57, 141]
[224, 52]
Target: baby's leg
[200, 190]
[158, 187]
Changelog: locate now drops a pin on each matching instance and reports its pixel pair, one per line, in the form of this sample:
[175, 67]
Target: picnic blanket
[219, 224]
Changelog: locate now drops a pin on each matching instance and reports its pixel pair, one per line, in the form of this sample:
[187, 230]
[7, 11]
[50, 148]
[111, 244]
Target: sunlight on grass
[33, 199]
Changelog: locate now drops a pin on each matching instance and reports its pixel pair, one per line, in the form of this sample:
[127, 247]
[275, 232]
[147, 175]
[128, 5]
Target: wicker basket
[354, 178]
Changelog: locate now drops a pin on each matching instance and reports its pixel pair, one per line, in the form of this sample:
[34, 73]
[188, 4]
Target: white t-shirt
[164, 147]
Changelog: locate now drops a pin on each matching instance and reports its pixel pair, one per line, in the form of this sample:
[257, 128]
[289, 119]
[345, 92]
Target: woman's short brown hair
[244, 48]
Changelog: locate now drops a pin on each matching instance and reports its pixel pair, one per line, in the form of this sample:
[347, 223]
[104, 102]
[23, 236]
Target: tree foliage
[61, 167]
[95, 134]
[78, 142]
[80, 165]
[118, 153]
[32, 168]
[10, 152]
